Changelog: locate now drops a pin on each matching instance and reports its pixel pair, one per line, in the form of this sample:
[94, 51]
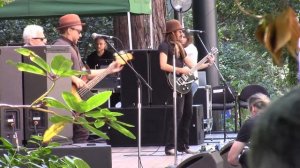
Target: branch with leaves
[62, 67]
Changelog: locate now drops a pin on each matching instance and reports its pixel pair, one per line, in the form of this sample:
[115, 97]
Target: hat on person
[173, 25]
[69, 20]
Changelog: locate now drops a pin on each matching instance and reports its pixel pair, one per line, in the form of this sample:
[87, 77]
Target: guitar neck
[196, 67]
[97, 79]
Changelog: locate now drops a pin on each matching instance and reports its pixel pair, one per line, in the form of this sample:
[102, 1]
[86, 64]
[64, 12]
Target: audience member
[276, 137]
[256, 104]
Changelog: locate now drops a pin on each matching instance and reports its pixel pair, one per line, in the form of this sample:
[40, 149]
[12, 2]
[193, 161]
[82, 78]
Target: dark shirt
[95, 62]
[75, 55]
[168, 49]
[245, 132]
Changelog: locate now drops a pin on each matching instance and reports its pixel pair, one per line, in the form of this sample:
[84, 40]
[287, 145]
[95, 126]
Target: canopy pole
[151, 28]
[129, 30]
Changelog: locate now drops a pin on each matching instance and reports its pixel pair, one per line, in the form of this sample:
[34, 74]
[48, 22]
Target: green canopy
[39, 8]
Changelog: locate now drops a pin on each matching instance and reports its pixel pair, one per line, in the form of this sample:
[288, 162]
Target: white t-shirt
[192, 52]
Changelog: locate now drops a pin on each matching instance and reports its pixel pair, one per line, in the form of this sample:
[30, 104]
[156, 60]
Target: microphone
[194, 31]
[95, 35]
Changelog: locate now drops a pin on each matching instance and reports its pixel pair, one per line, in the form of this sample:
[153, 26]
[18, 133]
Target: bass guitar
[184, 82]
[85, 92]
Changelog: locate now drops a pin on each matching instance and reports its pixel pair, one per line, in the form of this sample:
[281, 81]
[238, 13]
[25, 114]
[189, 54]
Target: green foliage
[38, 157]
[61, 67]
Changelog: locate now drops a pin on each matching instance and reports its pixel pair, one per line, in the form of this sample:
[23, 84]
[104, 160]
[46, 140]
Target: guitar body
[183, 83]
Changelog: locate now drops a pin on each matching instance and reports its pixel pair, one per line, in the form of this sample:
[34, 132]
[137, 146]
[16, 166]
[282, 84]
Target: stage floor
[154, 156]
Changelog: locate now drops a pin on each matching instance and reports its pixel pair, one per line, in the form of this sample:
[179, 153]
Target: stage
[154, 156]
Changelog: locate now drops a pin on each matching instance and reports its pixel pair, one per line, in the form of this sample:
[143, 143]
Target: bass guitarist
[70, 27]
[171, 46]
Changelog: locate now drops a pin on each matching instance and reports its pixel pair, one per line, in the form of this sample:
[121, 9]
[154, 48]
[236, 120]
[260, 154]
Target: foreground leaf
[52, 131]
[27, 68]
[60, 65]
[122, 130]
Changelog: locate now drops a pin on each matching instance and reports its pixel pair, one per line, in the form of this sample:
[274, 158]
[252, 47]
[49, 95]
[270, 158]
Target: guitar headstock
[214, 51]
[122, 57]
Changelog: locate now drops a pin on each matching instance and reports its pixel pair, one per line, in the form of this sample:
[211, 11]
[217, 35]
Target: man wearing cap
[256, 104]
[70, 27]
[170, 46]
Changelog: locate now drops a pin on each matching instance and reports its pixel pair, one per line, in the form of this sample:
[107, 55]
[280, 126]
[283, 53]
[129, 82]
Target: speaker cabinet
[205, 160]
[11, 92]
[96, 155]
[35, 122]
[154, 123]
[224, 154]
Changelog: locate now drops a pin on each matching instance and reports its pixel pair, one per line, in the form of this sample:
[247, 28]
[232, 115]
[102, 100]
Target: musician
[100, 57]
[192, 52]
[256, 104]
[70, 28]
[167, 48]
[33, 35]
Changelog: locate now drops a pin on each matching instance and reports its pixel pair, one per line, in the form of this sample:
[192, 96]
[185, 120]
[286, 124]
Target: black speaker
[11, 92]
[35, 122]
[224, 154]
[203, 160]
[196, 128]
[154, 119]
[140, 63]
[96, 155]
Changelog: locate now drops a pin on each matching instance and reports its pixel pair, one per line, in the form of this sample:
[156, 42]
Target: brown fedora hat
[69, 20]
[173, 25]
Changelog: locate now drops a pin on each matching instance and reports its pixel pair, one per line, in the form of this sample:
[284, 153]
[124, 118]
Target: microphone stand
[139, 105]
[224, 89]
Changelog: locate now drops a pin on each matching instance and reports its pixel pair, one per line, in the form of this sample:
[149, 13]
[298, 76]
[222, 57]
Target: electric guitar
[85, 92]
[184, 82]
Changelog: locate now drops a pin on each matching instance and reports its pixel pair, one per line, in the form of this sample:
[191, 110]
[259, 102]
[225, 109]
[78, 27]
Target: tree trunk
[140, 26]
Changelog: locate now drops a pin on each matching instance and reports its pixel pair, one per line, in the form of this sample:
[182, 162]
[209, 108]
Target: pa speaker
[154, 119]
[11, 92]
[203, 160]
[224, 154]
[35, 122]
[96, 155]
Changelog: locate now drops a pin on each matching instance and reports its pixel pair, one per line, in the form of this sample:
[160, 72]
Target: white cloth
[192, 52]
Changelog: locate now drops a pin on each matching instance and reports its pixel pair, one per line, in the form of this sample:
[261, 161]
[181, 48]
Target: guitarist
[167, 48]
[70, 27]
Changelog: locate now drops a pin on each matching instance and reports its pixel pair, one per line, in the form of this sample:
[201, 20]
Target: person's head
[276, 137]
[33, 35]
[70, 26]
[257, 103]
[186, 39]
[100, 44]
[173, 30]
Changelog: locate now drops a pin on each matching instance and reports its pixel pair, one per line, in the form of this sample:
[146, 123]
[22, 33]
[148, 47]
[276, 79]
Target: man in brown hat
[167, 49]
[70, 27]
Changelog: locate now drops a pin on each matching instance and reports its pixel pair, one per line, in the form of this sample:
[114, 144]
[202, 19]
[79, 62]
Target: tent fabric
[40, 8]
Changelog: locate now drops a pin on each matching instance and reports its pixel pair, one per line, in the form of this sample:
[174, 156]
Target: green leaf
[34, 58]
[124, 124]
[73, 102]
[27, 68]
[99, 123]
[6, 143]
[57, 118]
[109, 113]
[95, 114]
[97, 100]
[95, 131]
[73, 72]
[60, 65]
[52, 102]
[79, 163]
[122, 130]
